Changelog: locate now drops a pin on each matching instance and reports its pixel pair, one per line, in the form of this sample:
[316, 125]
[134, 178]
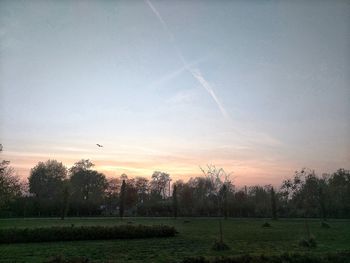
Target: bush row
[23, 235]
[343, 257]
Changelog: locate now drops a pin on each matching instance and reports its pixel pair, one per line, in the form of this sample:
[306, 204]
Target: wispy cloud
[194, 72]
[183, 97]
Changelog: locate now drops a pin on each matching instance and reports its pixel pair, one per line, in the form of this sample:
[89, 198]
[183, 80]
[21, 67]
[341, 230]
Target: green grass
[195, 238]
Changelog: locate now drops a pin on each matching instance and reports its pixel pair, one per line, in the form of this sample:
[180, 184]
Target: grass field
[196, 237]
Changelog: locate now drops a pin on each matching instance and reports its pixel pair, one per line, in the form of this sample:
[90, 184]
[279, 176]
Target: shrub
[303, 242]
[23, 235]
[308, 242]
[312, 242]
[220, 245]
[324, 224]
[266, 224]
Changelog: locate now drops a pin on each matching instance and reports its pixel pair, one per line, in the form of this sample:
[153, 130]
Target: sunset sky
[260, 88]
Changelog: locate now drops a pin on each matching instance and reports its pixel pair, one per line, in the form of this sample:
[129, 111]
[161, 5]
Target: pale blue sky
[76, 73]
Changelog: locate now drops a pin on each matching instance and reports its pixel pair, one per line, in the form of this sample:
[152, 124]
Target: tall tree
[10, 187]
[175, 203]
[131, 195]
[142, 187]
[46, 183]
[339, 193]
[65, 199]
[186, 197]
[160, 184]
[88, 187]
[112, 195]
[273, 204]
[82, 165]
[224, 204]
[217, 177]
[122, 199]
[322, 196]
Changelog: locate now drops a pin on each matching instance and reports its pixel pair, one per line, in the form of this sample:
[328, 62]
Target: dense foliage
[10, 188]
[87, 188]
[49, 234]
[54, 190]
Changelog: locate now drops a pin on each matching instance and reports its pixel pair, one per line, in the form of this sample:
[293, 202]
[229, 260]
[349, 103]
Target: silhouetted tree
[131, 196]
[46, 183]
[322, 197]
[216, 177]
[88, 187]
[82, 165]
[224, 202]
[65, 199]
[186, 197]
[142, 186]
[160, 184]
[273, 204]
[175, 203]
[122, 199]
[339, 193]
[112, 195]
[10, 187]
[87, 192]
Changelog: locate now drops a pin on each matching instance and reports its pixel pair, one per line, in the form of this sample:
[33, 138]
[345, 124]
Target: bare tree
[160, 184]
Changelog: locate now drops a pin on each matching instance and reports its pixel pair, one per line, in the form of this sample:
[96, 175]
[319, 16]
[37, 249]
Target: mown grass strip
[50, 234]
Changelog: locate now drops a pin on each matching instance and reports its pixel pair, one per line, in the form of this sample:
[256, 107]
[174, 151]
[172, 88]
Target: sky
[259, 88]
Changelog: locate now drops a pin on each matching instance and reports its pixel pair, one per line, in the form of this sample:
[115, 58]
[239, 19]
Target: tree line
[54, 190]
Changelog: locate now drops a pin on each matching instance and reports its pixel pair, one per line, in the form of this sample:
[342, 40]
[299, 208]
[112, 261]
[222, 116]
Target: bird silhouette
[99, 145]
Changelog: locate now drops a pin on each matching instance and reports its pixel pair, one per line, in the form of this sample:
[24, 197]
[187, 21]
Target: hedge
[48, 234]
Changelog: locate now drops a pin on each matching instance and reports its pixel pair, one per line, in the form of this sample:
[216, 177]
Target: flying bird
[99, 145]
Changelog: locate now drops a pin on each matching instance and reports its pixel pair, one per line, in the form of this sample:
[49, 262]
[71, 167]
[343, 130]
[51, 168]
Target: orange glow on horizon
[248, 173]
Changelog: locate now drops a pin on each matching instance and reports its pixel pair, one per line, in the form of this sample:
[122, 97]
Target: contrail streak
[205, 84]
[160, 18]
[173, 74]
[194, 72]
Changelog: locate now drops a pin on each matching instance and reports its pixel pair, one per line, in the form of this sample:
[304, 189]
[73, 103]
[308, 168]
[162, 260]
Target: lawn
[196, 237]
